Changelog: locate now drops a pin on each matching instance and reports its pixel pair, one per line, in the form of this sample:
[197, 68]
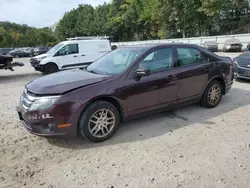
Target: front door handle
[75, 56]
[83, 55]
[171, 77]
[209, 68]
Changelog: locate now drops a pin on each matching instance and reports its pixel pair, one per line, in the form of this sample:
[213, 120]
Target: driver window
[68, 49]
[159, 60]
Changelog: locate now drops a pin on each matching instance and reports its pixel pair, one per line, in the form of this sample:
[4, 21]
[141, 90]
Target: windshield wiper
[91, 71]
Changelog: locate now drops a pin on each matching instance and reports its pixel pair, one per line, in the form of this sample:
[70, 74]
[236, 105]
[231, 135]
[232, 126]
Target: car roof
[232, 41]
[210, 42]
[84, 41]
[153, 45]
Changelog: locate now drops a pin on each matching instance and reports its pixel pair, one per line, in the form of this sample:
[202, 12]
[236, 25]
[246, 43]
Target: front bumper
[234, 48]
[34, 123]
[236, 75]
[241, 72]
[36, 64]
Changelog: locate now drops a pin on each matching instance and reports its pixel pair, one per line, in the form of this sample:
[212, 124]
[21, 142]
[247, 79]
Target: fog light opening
[52, 127]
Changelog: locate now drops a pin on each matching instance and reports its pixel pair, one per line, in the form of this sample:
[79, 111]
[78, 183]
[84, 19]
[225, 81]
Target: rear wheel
[50, 68]
[212, 95]
[99, 121]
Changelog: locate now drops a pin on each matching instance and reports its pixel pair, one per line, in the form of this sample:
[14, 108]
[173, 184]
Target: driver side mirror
[142, 72]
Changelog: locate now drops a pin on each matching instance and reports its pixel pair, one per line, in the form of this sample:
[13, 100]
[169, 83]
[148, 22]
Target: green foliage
[15, 35]
[128, 20]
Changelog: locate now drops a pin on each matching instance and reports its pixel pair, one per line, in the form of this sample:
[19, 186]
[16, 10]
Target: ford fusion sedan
[126, 83]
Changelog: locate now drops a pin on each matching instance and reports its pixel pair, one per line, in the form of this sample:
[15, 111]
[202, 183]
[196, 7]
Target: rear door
[92, 50]
[103, 48]
[193, 72]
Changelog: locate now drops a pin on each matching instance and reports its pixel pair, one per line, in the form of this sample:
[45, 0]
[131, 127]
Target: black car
[4, 51]
[211, 46]
[7, 64]
[19, 53]
[40, 50]
[242, 66]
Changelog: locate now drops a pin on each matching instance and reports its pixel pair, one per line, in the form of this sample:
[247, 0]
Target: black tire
[50, 68]
[205, 98]
[84, 121]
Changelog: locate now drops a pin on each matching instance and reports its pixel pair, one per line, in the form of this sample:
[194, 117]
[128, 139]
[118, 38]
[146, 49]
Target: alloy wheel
[101, 123]
[214, 94]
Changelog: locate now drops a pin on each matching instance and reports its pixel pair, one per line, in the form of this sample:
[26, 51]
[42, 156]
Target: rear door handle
[75, 56]
[83, 55]
[209, 68]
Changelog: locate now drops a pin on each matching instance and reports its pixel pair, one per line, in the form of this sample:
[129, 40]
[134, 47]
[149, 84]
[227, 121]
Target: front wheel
[50, 68]
[212, 95]
[99, 121]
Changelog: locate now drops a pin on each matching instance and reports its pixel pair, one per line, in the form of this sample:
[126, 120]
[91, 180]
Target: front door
[68, 56]
[193, 69]
[157, 89]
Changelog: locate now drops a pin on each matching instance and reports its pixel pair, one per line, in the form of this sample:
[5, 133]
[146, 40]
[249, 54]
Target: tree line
[128, 20]
[16, 35]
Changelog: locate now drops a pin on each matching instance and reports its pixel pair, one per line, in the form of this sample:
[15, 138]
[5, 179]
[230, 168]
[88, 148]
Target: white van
[74, 53]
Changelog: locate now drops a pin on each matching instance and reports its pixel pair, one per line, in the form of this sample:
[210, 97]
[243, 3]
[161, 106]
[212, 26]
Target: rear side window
[189, 56]
[73, 49]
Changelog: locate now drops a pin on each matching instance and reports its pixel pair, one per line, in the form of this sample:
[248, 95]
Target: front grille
[243, 72]
[34, 62]
[241, 64]
[236, 45]
[26, 100]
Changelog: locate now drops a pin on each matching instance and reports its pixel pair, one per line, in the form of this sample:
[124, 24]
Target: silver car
[232, 45]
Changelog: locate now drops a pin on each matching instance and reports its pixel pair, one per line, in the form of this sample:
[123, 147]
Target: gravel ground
[192, 147]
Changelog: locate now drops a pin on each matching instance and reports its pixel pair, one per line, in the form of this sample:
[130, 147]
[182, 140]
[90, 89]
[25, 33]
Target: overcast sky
[39, 13]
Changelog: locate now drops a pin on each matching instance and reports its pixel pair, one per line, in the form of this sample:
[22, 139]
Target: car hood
[62, 82]
[41, 56]
[243, 60]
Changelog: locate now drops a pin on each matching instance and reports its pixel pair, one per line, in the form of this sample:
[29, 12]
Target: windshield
[116, 61]
[55, 48]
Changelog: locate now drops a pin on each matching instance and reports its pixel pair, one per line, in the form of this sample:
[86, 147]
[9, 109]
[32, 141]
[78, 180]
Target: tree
[15, 35]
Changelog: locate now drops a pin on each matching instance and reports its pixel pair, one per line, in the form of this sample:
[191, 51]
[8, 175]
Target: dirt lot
[192, 147]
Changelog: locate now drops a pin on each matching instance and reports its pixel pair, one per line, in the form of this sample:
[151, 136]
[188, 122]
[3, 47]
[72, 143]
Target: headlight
[228, 46]
[43, 103]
